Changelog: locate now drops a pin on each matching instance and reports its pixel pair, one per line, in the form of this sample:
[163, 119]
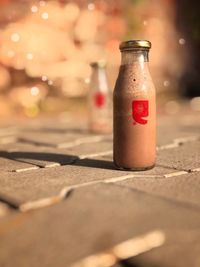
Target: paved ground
[61, 199]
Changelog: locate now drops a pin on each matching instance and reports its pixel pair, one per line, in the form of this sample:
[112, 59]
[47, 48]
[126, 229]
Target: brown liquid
[134, 143]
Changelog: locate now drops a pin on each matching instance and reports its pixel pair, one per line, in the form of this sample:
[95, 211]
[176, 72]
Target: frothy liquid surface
[134, 118]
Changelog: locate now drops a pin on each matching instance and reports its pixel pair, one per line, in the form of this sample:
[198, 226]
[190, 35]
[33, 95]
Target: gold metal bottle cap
[135, 44]
[100, 64]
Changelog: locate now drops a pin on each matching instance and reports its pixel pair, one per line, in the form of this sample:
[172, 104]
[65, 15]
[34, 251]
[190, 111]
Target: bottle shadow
[133, 262]
[39, 159]
[96, 163]
[62, 159]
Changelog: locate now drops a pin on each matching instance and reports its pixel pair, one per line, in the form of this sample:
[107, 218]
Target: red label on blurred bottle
[99, 99]
[140, 110]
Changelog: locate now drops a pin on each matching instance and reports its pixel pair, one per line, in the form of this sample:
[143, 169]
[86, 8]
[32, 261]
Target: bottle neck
[99, 77]
[137, 56]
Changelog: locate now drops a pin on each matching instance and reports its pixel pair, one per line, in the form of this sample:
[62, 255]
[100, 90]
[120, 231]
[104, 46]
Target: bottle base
[135, 169]
[100, 128]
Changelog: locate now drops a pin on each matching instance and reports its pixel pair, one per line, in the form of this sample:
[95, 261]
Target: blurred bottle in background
[99, 100]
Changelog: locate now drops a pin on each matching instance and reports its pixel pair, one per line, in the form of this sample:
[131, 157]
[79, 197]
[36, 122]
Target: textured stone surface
[57, 124]
[53, 140]
[42, 183]
[90, 220]
[40, 156]
[180, 250]
[10, 165]
[96, 216]
[156, 171]
[183, 125]
[43, 158]
[90, 148]
[56, 133]
[168, 134]
[184, 188]
[4, 209]
[184, 157]
[8, 135]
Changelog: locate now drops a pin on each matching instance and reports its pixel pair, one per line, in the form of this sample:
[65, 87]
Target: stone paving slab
[169, 134]
[48, 139]
[10, 165]
[60, 133]
[184, 188]
[42, 155]
[183, 125]
[8, 130]
[90, 148]
[4, 210]
[156, 171]
[43, 159]
[56, 124]
[190, 120]
[166, 134]
[95, 217]
[40, 183]
[8, 139]
[48, 182]
[180, 250]
[185, 157]
[91, 219]
[8, 135]
[37, 155]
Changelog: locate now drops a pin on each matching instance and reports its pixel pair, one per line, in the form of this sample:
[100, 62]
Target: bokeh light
[181, 41]
[54, 42]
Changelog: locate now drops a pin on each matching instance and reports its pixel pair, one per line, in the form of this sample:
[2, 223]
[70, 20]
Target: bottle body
[99, 101]
[134, 104]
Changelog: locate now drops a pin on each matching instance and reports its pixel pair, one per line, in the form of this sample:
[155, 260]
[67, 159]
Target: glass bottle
[134, 109]
[99, 100]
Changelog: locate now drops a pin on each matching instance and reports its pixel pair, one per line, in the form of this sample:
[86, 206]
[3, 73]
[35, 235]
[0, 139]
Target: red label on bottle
[140, 110]
[99, 100]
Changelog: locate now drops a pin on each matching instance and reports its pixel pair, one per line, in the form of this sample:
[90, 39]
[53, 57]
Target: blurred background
[46, 48]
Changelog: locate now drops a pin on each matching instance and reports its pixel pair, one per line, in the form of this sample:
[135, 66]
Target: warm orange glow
[55, 41]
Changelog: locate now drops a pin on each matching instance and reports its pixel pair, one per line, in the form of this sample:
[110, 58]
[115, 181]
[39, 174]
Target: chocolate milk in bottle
[134, 104]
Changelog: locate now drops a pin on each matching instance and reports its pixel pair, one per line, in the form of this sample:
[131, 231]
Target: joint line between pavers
[44, 202]
[65, 191]
[26, 169]
[178, 142]
[57, 164]
[35, 143]
[124, 250]
[168, 146]
[195, 170]
[11, 203]
[129, 176]
[80, 141]
[184, 204]
[40, 203]
[52, 165]
[173, 174]
[183, 140]
[181, 172]
[92, 155]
